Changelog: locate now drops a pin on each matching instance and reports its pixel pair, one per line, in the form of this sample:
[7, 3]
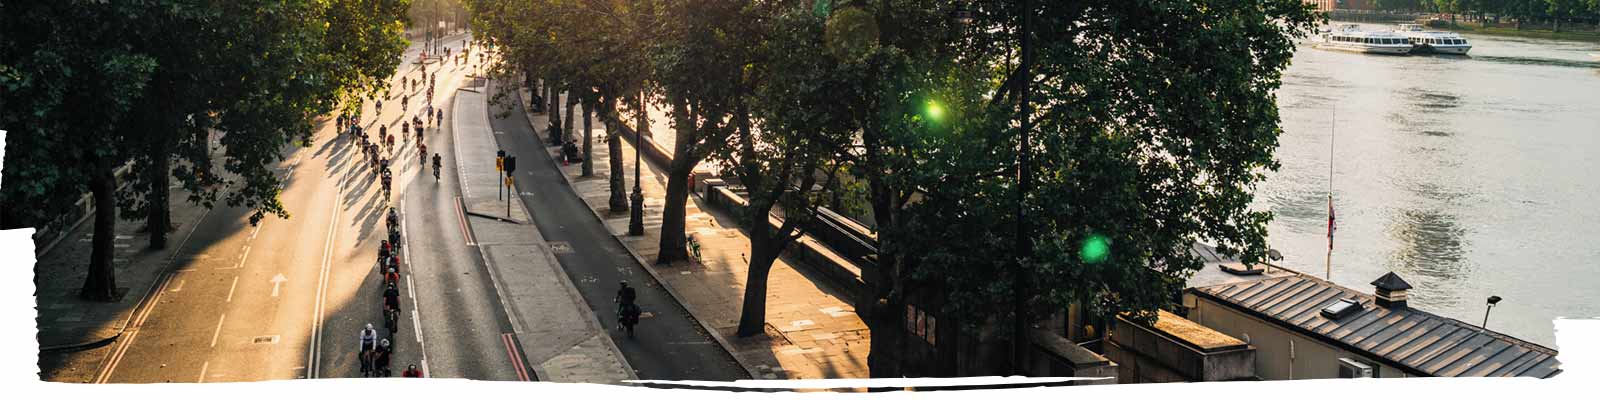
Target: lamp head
[1493, 300]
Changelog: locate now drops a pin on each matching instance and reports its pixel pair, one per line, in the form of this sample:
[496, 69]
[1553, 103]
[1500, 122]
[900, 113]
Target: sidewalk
[559, 334]
[812, 331]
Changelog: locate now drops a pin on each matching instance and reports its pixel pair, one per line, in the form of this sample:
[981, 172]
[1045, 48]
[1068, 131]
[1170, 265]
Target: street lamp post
[1492, 301]
[636, 215]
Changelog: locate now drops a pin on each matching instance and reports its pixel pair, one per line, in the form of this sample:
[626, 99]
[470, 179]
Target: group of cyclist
[375, 351]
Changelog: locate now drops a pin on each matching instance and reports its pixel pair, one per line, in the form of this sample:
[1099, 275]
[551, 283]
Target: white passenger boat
[1350, 37]
[1426, 41]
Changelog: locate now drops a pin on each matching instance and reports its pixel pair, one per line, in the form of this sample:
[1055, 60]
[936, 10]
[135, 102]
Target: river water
[1468, 177]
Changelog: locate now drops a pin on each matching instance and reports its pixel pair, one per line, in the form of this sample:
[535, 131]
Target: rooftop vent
[1341, 309]
[1391, 291]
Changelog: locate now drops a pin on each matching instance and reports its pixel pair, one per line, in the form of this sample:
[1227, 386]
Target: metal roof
[1417, 341]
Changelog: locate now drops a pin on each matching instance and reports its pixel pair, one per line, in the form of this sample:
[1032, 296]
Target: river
[1467, 176]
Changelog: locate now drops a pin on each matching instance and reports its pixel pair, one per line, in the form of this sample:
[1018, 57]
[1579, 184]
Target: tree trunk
[557, 135]
[763, 252]
[101, 284]
[588, 134]
[572, 103]
[684, 158]
[158, 216]
[672, 216]
[618, 178]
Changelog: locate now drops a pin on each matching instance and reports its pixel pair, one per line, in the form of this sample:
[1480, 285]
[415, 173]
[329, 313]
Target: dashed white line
[231, 287]
[203, 371]
[218, 332]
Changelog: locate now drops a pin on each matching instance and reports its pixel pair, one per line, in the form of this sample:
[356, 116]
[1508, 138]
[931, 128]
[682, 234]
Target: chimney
[1391, 291]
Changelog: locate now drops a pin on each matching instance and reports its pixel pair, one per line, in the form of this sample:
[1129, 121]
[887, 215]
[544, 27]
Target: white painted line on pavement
[315, 347]
[203, 371]
[231, 287]
[425, 373]
[180, 286]
[132, 331]
[218, 332]
[245, 257]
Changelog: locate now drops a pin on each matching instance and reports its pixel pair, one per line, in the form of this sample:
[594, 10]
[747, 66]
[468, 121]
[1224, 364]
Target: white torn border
[1577, 339]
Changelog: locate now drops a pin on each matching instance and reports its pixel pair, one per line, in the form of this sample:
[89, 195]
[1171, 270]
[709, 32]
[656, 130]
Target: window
[922, 324]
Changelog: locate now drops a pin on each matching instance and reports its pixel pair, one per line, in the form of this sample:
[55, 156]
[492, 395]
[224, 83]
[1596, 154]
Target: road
[286, 298]
[669, 344]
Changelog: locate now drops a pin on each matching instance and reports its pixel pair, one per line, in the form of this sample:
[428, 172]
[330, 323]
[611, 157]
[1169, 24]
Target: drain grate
[265, 339]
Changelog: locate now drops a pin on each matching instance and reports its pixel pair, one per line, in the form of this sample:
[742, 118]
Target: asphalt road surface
[285, 299]
[668, 344]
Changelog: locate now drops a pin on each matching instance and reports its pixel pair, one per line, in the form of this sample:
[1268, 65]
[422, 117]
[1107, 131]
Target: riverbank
[1579, 36]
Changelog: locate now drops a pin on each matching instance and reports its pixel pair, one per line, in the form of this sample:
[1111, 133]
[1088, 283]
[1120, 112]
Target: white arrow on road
[276, 281]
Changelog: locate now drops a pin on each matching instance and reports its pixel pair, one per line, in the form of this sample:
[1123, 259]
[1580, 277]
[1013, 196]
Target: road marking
[115, 357]
[231, 287]
[180, 286]
[516, 358]
[243, 258]
[461, 216]
[203, 371]
[276, 281]
[425, 373]
[315, 346]
[218, 332]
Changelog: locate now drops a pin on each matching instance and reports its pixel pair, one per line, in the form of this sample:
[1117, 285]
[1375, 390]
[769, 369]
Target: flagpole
[1333, 127]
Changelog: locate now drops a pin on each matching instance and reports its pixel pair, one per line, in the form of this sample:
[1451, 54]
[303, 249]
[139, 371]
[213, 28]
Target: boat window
[1461, 41]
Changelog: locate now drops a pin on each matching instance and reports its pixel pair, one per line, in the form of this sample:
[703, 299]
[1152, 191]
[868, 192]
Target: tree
[702, 66]
[791, 157]
[1153, 123]
[259, 70]
[69, 81]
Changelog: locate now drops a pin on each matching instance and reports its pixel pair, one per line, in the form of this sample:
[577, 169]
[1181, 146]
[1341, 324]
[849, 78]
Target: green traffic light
[1096, 248]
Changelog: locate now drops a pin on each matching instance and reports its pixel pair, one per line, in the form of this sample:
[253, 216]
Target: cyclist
[392, 277]
[386, 178]
[384, 251]
[422, 153]
[436, 161]
[405, 127]
[394, 218]
[441, 118]
[390, 142]
[391, 294]
[369, 342]
[379, 107]
[625, 297]
[418, 127]
[380, 364]
[411, 372]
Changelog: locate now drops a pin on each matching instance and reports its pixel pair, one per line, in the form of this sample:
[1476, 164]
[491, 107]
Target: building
[1303, 327]
[1330, 5]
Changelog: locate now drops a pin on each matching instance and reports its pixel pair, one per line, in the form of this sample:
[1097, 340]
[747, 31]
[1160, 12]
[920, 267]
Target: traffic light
[511, 164]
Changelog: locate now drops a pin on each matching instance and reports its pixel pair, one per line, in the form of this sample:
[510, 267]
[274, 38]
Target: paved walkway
[559, 334]
[813, 332]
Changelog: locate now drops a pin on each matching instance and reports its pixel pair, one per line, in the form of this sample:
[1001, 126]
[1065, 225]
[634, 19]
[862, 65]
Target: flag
[1331, 224]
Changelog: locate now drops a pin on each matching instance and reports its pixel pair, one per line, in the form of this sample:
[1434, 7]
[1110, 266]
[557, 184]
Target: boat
[1350, 37]
[1426, 41]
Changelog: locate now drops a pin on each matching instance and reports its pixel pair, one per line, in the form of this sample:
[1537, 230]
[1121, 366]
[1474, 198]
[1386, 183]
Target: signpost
[510, 164]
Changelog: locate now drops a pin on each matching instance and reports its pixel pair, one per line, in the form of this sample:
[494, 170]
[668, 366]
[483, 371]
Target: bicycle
[694, 248]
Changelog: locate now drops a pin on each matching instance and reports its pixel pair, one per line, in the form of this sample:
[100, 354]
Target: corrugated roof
[1420, 342]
